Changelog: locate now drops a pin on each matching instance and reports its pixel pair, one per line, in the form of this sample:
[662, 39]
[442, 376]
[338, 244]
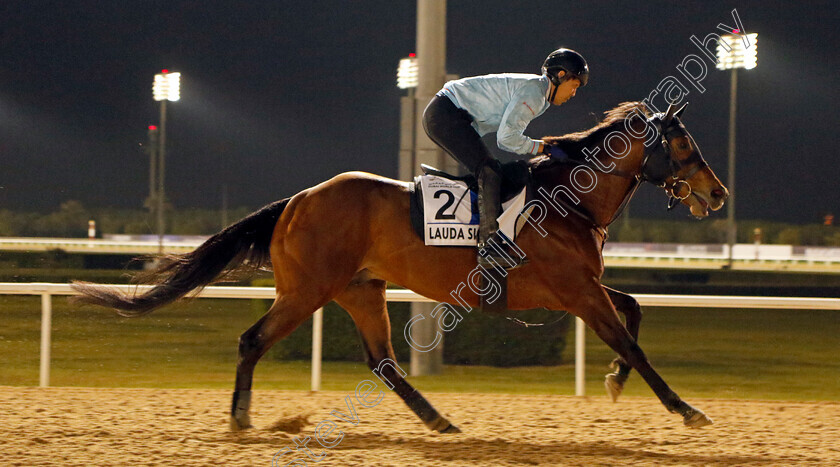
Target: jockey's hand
[554, 152]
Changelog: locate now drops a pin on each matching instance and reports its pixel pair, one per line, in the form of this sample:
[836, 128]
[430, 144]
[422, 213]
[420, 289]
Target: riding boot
[491, 246]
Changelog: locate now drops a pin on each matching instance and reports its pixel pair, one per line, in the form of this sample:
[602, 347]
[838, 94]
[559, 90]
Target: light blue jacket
[504, 103]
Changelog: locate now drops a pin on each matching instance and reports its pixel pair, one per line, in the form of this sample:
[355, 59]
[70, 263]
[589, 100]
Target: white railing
[744, 252]
[46, 291]
[97, 246]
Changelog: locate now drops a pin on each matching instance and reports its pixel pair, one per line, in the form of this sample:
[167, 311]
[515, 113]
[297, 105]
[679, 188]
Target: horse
[346, 238]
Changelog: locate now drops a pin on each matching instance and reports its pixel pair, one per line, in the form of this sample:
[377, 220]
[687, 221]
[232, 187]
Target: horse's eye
[683, 146]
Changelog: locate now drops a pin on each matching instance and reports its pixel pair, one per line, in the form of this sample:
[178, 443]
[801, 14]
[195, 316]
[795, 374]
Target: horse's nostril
[718, 193]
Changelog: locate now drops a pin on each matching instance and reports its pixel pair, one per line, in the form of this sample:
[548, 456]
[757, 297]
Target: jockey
[469, 108]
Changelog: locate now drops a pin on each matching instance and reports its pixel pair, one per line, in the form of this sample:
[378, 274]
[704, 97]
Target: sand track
[182, 427]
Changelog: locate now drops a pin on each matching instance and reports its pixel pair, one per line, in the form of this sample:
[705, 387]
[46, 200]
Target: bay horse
[345, 238]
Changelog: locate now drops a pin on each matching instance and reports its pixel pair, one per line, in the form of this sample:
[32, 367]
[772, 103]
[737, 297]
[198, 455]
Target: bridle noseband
[665, 170]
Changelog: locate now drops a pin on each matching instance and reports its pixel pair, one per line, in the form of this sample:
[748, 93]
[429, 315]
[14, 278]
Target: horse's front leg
[593, 305]
[629, 307]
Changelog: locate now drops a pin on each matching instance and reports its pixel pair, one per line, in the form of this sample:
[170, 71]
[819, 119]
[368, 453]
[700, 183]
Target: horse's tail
[244, 244]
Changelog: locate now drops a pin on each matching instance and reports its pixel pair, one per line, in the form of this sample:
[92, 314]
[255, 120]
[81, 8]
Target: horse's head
[675, 163]
[656, 148]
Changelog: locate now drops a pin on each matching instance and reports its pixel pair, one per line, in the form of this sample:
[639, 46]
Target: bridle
[665, 169]
[658, 167]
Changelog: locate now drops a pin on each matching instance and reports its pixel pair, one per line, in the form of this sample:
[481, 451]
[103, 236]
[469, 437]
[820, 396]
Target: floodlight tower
[734, 51]
[166, 87]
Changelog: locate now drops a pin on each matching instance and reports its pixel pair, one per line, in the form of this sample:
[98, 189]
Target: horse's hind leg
[365, 301]
[627, 305]
[284, 316]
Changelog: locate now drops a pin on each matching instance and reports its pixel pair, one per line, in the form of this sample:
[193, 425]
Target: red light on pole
[152, 127]
[412, 55]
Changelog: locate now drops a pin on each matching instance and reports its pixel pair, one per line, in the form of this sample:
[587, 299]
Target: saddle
[516, 176]
[463, 232]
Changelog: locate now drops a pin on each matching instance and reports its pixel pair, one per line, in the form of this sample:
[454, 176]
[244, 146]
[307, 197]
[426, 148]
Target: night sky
[279, 96]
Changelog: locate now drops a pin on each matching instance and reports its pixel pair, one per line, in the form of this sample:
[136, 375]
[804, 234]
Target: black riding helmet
[569, 61]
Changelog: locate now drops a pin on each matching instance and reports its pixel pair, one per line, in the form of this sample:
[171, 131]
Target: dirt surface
[182, 427]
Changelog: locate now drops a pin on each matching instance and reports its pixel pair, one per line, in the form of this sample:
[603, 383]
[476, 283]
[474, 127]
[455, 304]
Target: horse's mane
[574, 143]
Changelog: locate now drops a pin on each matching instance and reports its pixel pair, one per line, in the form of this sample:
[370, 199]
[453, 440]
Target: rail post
[46, 336]
[317, 338]
[580, 357]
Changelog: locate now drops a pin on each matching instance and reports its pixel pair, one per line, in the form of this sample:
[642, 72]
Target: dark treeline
[71, 220]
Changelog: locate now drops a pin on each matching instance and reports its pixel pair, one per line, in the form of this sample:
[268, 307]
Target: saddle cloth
[444, 211]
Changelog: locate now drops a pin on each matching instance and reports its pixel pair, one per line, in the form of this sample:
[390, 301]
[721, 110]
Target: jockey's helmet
[569, 61]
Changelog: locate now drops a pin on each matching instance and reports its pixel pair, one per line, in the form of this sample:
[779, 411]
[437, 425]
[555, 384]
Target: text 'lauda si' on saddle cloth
[450, 212]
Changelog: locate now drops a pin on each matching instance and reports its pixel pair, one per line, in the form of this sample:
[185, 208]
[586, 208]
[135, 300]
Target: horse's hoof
[613, 385]
[442, 425]
[696, 419]
[239, 425]
[451, 429]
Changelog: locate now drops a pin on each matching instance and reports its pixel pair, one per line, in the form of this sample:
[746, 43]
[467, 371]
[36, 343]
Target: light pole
[152, 150]
[166, 87]
[407, 79]
[734, 51]
[427, 73]
[422, 363]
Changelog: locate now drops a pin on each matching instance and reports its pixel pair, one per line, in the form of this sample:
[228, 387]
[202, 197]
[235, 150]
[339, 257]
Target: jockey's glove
[555, 152]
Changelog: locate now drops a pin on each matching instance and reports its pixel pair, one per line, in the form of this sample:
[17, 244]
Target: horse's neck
[602, 201]
[609, 195]
[610, 192]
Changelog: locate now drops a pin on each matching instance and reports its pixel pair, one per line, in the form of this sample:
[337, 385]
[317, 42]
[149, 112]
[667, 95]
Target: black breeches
[451, 128]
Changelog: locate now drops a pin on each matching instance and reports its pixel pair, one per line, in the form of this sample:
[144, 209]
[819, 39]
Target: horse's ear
[680, 111]
[669, 114]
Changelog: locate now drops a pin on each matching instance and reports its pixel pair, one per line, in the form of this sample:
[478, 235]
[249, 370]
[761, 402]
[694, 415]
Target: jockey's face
[565, 90]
